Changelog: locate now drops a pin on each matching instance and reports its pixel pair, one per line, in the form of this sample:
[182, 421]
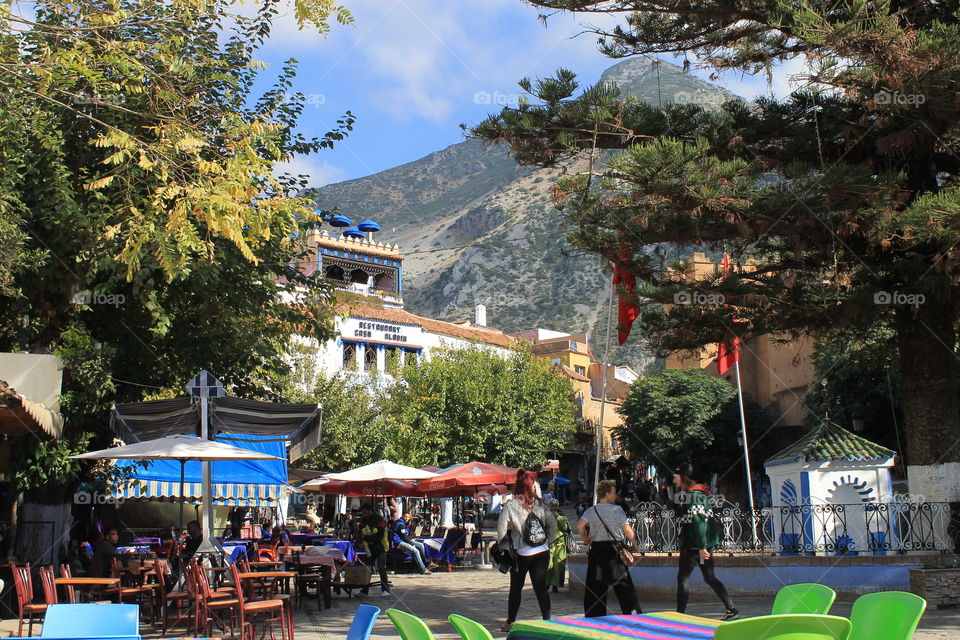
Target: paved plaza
[482, 595]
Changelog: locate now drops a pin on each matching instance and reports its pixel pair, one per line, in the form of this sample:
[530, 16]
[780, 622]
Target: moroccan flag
[627, 310]
[727, 355]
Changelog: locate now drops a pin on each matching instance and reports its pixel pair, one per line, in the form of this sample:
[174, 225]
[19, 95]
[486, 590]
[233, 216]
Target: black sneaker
[732, 614]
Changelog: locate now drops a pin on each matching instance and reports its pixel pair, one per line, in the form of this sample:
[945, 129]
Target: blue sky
[413, 70]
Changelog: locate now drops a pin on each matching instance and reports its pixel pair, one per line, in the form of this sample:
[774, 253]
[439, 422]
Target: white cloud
[320, 172]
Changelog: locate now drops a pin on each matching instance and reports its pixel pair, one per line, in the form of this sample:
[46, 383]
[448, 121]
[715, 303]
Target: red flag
[727, 355]
[627, 310]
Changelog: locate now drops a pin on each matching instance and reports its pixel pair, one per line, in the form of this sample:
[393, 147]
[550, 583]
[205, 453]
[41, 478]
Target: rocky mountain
[475, 228]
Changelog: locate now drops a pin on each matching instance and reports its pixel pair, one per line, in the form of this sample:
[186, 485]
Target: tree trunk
[926, 338]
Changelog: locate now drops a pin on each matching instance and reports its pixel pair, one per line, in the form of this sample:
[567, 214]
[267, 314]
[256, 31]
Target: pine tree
[839, 203]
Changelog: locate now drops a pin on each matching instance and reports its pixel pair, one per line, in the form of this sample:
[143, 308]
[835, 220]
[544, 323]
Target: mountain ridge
[476, 228]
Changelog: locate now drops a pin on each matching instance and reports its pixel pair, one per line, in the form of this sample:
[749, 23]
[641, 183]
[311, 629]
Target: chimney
[481, 316]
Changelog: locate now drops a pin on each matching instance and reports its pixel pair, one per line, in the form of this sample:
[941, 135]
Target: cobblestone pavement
[482, 595]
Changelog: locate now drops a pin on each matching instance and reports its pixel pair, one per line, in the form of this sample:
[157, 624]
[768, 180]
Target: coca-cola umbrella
[467, 479]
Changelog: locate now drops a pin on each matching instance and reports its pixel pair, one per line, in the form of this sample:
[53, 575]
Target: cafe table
[286, 576]
[328, 570]
[99, 583]
[663, 625]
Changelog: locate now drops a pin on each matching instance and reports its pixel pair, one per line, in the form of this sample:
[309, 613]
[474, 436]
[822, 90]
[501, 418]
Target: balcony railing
[869, 528]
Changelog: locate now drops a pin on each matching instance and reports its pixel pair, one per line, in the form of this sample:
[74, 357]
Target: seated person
[195, 537]
[104, 551]
[400, 536]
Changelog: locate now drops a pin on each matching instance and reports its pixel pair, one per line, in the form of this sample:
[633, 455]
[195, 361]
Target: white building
[375, 333]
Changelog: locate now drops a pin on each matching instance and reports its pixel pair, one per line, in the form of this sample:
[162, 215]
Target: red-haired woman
[531, 527]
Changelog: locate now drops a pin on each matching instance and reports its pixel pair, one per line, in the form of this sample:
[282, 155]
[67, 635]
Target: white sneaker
[384, 594]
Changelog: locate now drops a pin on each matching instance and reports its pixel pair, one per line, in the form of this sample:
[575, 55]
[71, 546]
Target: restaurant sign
[380, 330]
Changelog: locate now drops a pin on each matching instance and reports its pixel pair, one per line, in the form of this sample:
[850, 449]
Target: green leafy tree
[857, 380]
[143, 233]
[355, 430]
[460, 405]
[666, 416]
[148, 235]
[473, 404]
[839, 203]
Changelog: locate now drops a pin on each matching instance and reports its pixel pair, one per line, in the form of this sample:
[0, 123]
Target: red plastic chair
[25, 604]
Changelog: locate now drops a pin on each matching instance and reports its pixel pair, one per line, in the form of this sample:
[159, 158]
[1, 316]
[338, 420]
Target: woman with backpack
[530, 527]
[604, 527]
[698, 535]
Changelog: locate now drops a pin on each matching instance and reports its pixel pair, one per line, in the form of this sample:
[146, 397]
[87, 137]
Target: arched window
[359, 276]
[349, 355]
[369, 357]
[333, 272]
[385, 282]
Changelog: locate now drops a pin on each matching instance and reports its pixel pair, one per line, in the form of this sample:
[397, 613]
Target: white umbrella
[181, 448]
[382, 470]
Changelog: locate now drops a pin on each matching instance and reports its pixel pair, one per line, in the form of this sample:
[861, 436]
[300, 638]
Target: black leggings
[536, 565]
[690, 558]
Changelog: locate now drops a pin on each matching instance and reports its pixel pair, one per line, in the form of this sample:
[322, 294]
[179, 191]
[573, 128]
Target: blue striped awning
[229, 493]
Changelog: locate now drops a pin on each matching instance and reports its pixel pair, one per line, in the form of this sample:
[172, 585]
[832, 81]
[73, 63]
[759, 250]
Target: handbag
[624, 554]
[504, 554]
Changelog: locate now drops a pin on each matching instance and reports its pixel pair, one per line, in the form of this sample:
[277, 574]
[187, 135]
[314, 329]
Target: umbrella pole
[183, 464]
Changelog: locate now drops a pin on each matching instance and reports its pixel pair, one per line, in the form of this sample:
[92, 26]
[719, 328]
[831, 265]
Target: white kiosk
[833, 495]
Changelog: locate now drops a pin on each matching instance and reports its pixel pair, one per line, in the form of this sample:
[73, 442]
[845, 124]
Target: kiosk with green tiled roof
[811, 478]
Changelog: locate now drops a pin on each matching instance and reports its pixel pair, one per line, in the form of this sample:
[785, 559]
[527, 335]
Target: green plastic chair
[409, 626]
[793, 626]
[469, 629]
[886, 615]
[806, 597]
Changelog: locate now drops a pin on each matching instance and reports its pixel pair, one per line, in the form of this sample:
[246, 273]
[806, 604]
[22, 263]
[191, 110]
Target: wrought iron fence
[869, 528]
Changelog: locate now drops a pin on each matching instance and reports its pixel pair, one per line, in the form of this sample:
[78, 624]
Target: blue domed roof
[339, 220]
[368, 225]
[353, 232]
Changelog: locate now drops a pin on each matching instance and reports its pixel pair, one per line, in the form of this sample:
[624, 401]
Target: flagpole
[746, 455]
[603, 394]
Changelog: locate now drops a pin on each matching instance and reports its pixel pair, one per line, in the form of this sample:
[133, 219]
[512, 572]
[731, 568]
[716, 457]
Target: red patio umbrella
[363, 488]
[467, 479]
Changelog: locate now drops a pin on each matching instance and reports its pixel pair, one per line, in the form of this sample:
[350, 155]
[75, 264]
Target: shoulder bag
[624, 554]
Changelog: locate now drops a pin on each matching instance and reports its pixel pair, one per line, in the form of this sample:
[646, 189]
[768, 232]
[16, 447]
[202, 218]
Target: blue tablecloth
[140, 548]
[235, 552]
[439, 549]
[349, 553]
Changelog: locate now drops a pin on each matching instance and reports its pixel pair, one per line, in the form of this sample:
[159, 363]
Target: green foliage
[666, 417]
[45, 463]
[460, 405]
[862, 377]
[137, 166]
[355, 431]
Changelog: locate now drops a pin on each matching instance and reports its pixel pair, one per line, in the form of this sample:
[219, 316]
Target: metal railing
[900, 526]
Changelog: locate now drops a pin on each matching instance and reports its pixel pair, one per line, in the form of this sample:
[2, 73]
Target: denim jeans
[417, 550]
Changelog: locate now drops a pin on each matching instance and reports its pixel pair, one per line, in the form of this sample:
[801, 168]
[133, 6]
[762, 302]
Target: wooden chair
[25, 605]
[208, 605]
[270, 610]
[178, 599]
[49, 586]
[70, 590]
[140, 593]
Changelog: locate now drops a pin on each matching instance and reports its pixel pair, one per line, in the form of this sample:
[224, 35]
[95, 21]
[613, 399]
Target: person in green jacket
[698, 537]
[558, 549]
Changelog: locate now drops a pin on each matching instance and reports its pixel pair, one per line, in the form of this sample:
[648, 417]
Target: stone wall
[939, 587]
